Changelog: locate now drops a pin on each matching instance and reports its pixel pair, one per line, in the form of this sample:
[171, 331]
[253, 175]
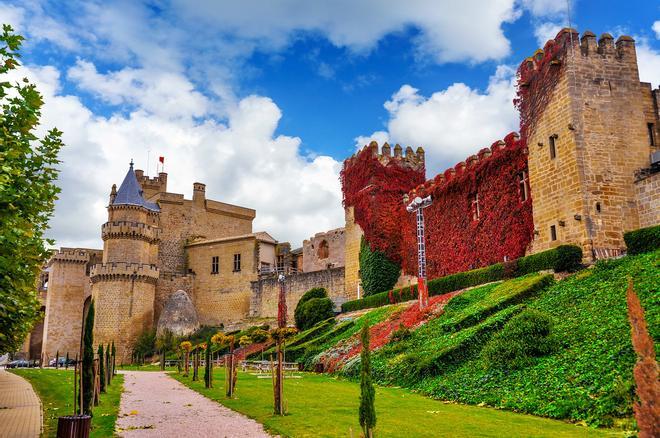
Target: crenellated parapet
[511, 142]
[124, 271]
[71, 256]
[386, 155]
[130, 230]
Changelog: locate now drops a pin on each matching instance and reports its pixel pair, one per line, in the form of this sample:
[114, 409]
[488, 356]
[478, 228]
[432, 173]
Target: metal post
[417, 205]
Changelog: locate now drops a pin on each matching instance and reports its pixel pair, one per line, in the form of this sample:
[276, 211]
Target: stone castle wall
[324, 249]
[598, 119]
[223, 297]
[265, 291]
[647, 191]
[352, 238]
[68, 287]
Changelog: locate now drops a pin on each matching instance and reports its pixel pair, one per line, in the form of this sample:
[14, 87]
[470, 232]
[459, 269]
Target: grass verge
[55, 389]
[323, 406]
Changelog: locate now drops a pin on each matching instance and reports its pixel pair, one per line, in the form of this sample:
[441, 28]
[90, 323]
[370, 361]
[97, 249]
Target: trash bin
[74, 426]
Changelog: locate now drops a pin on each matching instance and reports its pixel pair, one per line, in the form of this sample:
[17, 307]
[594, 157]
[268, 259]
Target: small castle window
[237, 263]
[474, 203]
[651, 129]
[215, 264]
[553, 147]
[598, 209]
[523, 185]
[324, 250]
[553, 232]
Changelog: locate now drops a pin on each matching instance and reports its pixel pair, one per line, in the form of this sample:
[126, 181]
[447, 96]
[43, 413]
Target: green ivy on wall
[377, 272]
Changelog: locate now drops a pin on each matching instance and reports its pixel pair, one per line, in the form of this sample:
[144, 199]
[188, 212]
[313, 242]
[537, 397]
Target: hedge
[561, 258]
[642, 240]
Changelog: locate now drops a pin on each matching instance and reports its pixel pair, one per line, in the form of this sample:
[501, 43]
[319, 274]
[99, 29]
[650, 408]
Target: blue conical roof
[130, 192]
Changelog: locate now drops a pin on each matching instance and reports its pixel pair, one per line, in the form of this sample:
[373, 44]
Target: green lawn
[323, 406]
[55, 389]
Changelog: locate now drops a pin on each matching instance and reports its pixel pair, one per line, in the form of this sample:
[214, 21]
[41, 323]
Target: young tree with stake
[367, 392]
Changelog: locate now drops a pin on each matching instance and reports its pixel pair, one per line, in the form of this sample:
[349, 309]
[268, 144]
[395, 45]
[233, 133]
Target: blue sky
[263, 100]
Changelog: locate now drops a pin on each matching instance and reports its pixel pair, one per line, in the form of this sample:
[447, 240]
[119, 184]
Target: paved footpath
[155, 405]
[20, 408]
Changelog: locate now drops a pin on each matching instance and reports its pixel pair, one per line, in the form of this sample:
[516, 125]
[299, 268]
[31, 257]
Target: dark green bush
[562, 258]
[317, 292]
[526, 336]
[642, 240]
[377, 272]
[314, 311]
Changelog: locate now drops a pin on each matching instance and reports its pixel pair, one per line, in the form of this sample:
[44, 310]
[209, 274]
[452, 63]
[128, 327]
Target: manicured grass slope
[322, 406]
[55, 389]
[588, 378]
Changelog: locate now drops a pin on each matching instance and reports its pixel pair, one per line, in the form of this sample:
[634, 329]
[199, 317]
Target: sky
[263, 100]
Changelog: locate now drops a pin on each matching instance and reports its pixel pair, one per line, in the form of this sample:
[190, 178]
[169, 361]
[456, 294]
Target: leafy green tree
[27, 195]
[314, 311]
[145, 345]
[367, 392]
[88, 362]
[316, 292]
[377, 272]
[101, 368]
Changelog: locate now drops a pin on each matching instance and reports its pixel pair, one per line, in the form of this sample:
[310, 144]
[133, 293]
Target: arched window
[324, 250]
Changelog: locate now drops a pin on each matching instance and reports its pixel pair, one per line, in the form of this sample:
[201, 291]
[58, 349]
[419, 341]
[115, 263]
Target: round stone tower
[124, 285]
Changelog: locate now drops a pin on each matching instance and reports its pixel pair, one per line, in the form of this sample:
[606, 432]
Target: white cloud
[379, 137]
[656, 29]
[242, 161]
[546, 31]
[453, 123]
[544, 8]
[648, 61]
[448, 30]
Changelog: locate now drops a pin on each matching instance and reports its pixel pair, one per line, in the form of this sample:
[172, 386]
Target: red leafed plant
[376, 190]
[457, 238]
[647, 409]
[381, 333]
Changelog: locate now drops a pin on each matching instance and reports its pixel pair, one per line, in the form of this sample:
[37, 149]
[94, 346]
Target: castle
[583, 170]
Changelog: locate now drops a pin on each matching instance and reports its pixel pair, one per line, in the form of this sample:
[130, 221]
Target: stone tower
[123, 286]
[373, 177]
[585, 117]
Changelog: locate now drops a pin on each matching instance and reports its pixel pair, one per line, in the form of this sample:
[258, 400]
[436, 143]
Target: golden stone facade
[597, 131]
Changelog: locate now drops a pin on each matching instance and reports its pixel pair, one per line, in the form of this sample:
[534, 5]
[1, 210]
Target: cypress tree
[57, 359]
[88, 362]
[114, 353]
[66, 361]
[108, 374]
[101, 368]
[207, 371]
[367, 392]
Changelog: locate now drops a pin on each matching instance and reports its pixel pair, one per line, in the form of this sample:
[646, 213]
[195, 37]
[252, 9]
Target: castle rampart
[130, 230]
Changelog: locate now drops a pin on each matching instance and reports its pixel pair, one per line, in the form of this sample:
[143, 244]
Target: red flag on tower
[162, 163]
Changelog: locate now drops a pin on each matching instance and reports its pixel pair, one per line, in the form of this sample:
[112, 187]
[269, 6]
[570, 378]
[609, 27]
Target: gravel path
[155, 405]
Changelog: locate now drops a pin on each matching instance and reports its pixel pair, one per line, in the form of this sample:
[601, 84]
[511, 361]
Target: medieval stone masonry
[583, 170]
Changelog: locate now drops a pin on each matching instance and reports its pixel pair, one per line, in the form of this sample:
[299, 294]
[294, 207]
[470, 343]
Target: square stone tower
[589, 125]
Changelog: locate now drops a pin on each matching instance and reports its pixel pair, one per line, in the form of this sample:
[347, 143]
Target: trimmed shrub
[314, 311]
[317, 292]
[562, 258]
[642, 240]
[526, 336]
[377, 272]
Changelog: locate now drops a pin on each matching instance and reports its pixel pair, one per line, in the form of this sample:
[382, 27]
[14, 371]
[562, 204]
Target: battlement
[75, 255]
[414, 160]
[151, 186]
[130, 230]
[553, 54]
[125, 271]
[511, 141]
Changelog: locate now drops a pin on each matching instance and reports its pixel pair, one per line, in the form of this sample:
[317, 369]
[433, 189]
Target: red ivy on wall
[456, 241]
[486, 185]
[375, 189]
[537, 77]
